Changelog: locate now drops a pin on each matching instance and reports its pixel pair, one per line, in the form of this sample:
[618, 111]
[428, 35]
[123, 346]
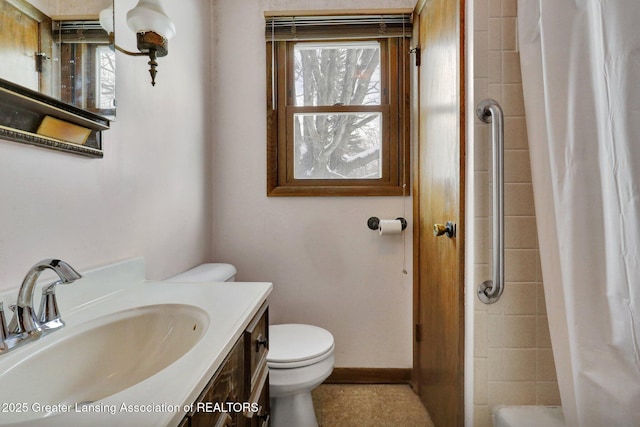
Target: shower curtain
[580, 63]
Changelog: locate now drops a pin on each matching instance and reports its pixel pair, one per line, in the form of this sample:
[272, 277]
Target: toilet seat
[296, 345]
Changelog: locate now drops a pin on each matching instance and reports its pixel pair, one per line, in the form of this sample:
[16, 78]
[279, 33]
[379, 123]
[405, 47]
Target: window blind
[280, 28]
[79, 32]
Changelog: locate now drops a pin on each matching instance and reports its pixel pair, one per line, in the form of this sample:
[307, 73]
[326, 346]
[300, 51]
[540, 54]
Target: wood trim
[369, 376]
[417, 10]
[396, 138]
[415, 164]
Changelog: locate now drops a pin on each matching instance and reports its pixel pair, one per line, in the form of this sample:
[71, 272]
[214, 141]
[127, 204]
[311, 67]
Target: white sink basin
[132, 353]
[102, 357]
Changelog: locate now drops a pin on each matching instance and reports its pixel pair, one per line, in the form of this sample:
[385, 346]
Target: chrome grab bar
[489, 111]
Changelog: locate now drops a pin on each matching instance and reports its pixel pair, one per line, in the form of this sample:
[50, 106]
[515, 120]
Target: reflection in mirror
[58, 48]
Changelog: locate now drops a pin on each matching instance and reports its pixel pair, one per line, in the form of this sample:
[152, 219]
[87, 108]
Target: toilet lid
[295, 343]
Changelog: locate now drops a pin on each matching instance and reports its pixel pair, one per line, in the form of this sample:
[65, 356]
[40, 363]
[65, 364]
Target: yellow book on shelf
[65, 131]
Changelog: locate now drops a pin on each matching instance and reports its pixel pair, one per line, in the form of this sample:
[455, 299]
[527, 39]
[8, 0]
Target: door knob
[449, 229]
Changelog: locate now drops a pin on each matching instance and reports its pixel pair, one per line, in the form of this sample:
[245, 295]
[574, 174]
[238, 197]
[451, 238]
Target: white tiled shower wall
[513, 361]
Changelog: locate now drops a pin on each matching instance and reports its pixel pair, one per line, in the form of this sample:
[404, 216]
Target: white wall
[147, 197]
[154, 194]
[327, 267]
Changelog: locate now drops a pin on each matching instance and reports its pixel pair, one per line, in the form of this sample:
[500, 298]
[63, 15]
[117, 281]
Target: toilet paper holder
[374, 223]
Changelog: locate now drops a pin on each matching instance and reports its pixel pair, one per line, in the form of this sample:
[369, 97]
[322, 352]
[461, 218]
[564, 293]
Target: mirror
[57, 74]
[59, 49]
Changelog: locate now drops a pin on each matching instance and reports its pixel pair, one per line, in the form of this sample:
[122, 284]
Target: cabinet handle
[261, 341]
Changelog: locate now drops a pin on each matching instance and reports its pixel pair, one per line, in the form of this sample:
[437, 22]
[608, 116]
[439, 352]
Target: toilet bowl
[300, 357]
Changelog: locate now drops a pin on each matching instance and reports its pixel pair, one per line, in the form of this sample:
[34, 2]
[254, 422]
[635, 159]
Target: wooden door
[439, 198]
[19, 42]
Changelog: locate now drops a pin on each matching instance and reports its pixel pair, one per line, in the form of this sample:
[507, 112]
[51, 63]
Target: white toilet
[300, 357]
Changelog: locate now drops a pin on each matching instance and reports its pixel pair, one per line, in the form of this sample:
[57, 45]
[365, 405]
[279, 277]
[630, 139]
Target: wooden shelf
[22, 110]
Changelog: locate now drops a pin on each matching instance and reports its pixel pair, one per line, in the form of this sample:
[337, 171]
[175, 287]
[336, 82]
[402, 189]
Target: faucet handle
[49, 305]
[13, 324]
[4, 332]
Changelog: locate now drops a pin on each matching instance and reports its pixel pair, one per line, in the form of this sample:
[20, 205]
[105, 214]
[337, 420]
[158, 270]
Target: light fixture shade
[106, 19]
[148, 15]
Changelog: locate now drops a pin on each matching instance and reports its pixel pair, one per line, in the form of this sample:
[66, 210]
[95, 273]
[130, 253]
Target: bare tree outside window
[337, 143]
[105, 78]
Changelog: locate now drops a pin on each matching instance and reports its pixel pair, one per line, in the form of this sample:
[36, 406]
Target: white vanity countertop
[164, 398]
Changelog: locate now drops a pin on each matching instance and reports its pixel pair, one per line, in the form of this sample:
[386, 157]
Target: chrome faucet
[25, 325]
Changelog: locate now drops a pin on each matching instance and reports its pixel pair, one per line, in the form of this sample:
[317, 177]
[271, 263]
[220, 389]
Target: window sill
[335, 191]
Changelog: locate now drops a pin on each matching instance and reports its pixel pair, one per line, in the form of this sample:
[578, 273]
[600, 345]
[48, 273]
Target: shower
[580, 64]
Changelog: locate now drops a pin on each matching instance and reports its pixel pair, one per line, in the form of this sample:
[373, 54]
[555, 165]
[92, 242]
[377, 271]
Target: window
[337, 108]
[105, 79]
[87, 66]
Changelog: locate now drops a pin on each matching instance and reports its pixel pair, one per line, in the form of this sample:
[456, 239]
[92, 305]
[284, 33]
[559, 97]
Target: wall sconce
[153, 30]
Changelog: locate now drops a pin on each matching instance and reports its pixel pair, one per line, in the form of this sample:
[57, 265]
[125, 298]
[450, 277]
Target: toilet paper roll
[390, 227]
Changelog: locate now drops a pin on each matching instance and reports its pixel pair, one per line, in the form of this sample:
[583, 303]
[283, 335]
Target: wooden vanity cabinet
[257, 382]
[238, 393]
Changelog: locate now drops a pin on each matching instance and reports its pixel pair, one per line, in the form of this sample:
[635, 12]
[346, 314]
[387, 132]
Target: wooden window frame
[395, 133]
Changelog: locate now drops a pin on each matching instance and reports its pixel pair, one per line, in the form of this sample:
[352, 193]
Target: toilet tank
[209, 272]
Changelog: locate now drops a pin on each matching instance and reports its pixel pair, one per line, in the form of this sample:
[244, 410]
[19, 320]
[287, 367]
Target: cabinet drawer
[226, 386]
[242, 379]
[262, 417]
[256, 346]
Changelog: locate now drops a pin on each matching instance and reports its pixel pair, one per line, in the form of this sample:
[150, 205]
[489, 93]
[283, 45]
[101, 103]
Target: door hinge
[418, 332]
[40, 58]
[416, 51]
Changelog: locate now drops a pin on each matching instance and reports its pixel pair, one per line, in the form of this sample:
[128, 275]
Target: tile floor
[378, 405]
